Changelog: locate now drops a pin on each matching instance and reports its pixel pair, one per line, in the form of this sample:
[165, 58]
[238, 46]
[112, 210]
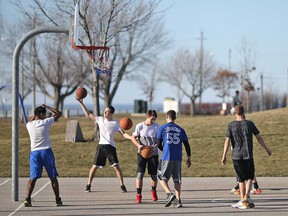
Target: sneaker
[154, 195]
[170, 199]
[235, 191]
[88, 188]
[249, 201]
[59, 202]
[27, 202]
[138, 198]
[177, 203]
[240, 205]
[123, 189]
[256, 191]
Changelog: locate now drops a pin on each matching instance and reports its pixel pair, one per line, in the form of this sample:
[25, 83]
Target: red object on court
[81, 92]
[126, 123]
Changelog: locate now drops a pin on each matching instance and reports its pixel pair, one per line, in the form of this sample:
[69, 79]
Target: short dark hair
[151, 113]
[239, 110]
[39, 110]
[112, 109]
[171, 114]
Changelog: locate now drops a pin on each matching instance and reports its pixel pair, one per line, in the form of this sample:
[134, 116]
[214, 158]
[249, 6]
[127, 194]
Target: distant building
[171, 104]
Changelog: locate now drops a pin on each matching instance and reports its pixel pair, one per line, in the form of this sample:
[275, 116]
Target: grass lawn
[206, 136]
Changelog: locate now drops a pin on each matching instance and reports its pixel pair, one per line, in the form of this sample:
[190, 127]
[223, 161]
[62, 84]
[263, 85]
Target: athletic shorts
[244, 169]
[41, 158]
[168, 168]
[152, 164]
[104, 152]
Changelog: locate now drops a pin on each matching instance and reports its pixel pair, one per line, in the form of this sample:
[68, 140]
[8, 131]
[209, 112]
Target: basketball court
[200, 196]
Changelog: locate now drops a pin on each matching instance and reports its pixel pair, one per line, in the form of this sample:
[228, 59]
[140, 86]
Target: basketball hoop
[100, 59]
[99, 55]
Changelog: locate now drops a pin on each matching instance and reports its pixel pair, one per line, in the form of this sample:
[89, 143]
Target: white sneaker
[240, 205]
[249, 201]
[234, 191]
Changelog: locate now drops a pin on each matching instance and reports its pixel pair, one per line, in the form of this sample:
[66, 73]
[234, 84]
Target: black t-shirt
[241, 135]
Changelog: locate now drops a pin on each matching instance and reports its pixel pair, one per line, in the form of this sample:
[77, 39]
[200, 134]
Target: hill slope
[206, 136]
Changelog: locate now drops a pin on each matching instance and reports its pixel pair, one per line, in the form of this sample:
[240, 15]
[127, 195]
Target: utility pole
[261, 97]
[201, 71]
[229, 68]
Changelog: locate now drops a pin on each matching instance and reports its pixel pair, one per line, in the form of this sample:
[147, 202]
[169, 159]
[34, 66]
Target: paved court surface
[200, 196]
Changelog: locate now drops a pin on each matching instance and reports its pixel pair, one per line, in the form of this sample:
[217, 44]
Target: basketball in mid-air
[126, 123]
[81, 93]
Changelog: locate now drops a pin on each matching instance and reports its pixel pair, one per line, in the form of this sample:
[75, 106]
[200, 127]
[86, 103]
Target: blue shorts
[41, 158]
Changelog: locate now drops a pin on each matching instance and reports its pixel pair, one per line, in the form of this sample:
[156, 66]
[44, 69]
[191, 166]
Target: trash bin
[140, 106]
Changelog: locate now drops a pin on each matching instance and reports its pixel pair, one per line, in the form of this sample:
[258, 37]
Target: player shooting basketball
[107, 146]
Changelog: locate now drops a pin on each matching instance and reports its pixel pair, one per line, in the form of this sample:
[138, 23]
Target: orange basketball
[81, 92]
[126, 123]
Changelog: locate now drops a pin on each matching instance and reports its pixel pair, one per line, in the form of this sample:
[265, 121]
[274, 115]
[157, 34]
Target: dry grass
[206, 137]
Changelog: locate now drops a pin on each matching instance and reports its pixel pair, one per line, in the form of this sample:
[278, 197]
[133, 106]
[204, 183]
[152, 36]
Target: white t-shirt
[107, 130]
[147, 135]
[39, 133]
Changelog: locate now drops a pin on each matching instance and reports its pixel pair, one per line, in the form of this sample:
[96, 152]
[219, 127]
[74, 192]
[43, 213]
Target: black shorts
[152, 164]
[104, 152]
[244, 169]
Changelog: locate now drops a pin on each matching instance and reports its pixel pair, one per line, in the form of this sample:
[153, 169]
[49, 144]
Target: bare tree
[283, 100]
[9, 37]
[57, 73]
[58, 69]
[126, 26]
[248, 53]
[50, 65]
[183, 72]
[148, 82]
[133, 37]
[223, 82]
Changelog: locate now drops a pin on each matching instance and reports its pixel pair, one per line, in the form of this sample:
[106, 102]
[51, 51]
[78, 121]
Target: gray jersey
[241, 135]
[147, 135]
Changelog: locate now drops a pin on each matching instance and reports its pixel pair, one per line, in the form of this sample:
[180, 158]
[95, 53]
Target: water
[75, 109]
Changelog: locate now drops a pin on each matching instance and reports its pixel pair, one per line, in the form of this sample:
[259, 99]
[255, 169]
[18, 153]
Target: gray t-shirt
[241, 135]
[147, 135]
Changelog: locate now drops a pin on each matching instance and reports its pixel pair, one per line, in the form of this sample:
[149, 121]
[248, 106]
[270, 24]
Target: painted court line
[4, 182]
[19, 207]
[222, 202]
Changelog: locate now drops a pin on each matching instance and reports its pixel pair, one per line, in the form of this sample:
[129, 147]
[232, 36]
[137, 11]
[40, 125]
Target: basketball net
[101, 61]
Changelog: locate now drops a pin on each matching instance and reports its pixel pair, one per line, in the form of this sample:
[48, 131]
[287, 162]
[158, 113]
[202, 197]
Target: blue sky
[225, 23]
